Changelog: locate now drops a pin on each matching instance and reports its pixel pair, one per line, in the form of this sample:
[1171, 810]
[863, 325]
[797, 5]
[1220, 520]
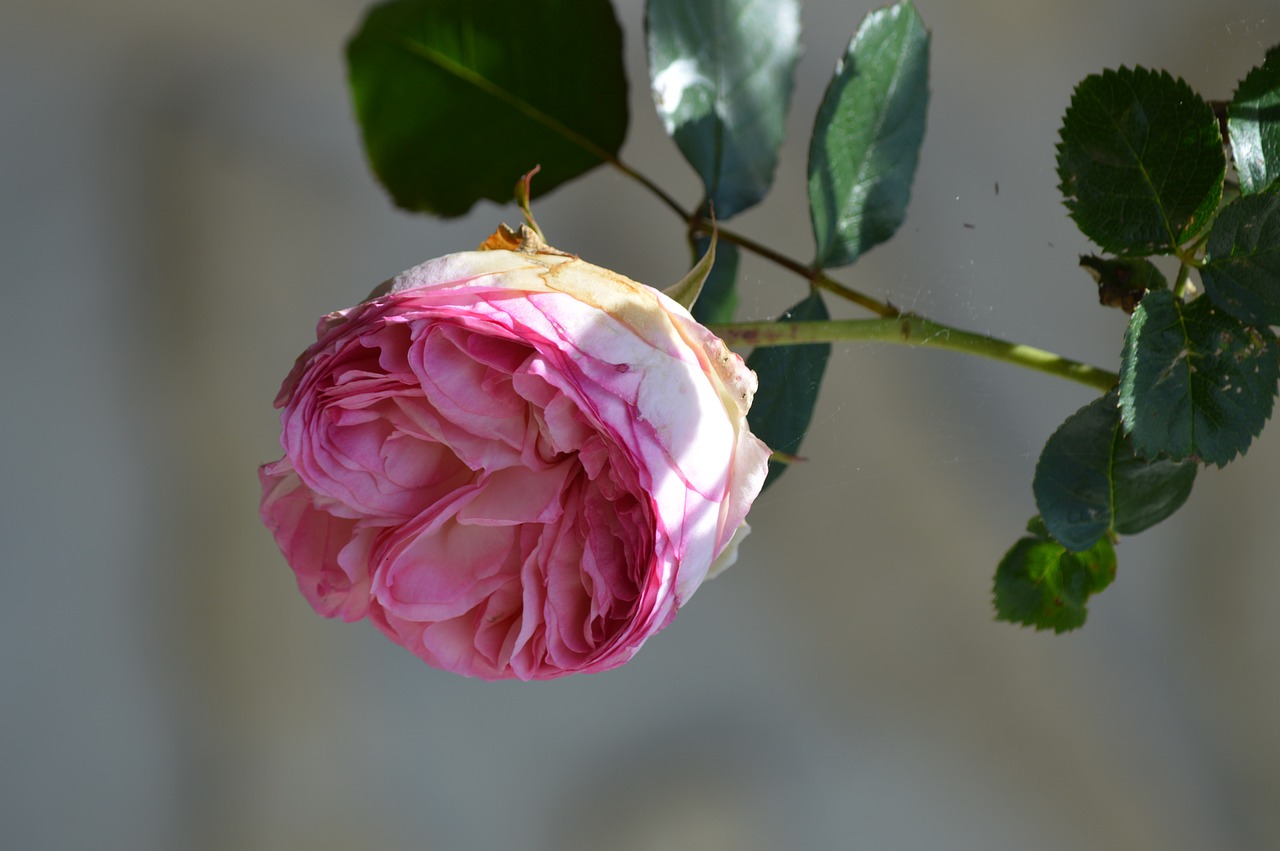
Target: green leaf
[719, 298]
[1140, 160]
[457, 99]
[1040, 583]
[789, 380]
[1089, 482]
[1242, 269]
[722, 74]
[866, 140]
[1194, 381]
[1253, 123]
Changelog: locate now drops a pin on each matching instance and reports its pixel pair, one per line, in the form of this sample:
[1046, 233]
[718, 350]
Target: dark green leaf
[1039, 583]
[789, 380]
[722, 74]
[1146, 492]
[719, 298]
[457, 99]
[1195, 381]
[1123, 281]
[1089, 482]
[1242, 272]
[866, 140]
[1140, 161]
[1253, 123]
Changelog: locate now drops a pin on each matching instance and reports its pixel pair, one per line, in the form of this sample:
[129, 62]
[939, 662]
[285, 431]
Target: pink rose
[516, 464]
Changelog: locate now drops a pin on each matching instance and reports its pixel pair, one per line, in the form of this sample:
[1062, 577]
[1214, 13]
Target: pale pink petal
[329, 554]
[436, 568]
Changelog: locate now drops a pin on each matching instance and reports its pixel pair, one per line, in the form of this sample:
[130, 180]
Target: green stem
[657, 191]
[1184, 278]
[913, 330]
[881, 308]
[893, 326]
[817, 277]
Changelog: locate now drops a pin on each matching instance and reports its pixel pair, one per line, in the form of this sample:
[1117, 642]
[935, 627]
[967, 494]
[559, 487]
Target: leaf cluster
[456, 101]
[722, 73]
[1145, 173]
[460, 101]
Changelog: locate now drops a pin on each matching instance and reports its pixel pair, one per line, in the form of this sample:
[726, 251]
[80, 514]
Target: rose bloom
[515, 463]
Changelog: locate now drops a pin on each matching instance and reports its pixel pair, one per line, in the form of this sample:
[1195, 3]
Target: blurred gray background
[182, 194]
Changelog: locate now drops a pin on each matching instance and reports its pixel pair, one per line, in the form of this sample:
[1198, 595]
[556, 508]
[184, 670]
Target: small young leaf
[1089, 482]
[866, 140]
[1253, 123]
[719, 298]
[1041, 584]
[1242, 272]
[1194, 381]
[457, 99]
[789, 380]
[722, 73]
[1140, 161]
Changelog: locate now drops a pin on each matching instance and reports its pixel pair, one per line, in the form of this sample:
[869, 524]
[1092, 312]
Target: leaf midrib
[483, 84]
[1137, 157]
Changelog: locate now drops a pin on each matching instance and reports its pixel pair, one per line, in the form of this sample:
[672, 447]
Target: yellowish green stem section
[893, 326]
[913, 330]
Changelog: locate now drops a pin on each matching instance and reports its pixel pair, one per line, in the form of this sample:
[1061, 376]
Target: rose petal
[516, 465]
[329, 554]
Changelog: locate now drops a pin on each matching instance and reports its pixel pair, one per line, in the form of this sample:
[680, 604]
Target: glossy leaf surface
[1194, 381]
[1089, 482]
[866, 139]
[722, 72]
[457, 99]
[1140, 161]
[1253, 123]
[1242, 270]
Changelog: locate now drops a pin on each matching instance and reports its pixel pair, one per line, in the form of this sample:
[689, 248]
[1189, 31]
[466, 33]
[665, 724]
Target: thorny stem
[892, 326]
